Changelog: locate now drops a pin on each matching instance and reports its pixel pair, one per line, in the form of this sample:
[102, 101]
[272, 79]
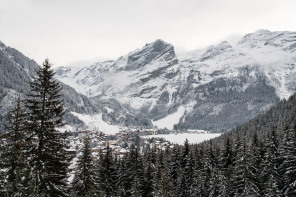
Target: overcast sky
[69, 31]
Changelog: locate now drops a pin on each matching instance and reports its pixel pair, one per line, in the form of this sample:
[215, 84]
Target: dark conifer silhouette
[84, 183]
[45, 115]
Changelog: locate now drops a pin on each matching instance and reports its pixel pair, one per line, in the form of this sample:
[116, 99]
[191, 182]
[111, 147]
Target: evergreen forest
[257, 158]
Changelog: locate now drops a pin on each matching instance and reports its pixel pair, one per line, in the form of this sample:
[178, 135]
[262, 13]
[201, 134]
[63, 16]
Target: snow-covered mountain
[215, 89]
[18, 70]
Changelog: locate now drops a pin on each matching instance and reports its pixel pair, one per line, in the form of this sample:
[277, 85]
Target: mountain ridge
[157, 84]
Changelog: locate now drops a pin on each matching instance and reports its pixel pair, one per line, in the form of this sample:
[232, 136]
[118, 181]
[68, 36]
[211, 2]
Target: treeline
[261, 167]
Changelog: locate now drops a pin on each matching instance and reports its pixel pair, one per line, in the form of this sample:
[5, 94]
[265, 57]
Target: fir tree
[148, 187]
[3, 190]
[185, 153]
[223, 182]
[165, 186]
[289, 164]
[121, 169]
[270, 165]
[257, 152]
[45, 109]
[188, 173]
[138, 173]
[226, 164]
[175, 164]
[158, 171]
[214, 187]
[107, 174]
[84, 179]
[16, 162]
[272, 187]
[124, 177]
[244, 184]
[136, 190]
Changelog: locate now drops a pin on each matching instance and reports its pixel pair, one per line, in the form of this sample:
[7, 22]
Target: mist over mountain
[216, 88]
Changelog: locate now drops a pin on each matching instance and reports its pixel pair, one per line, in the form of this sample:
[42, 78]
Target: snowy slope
[95, 122]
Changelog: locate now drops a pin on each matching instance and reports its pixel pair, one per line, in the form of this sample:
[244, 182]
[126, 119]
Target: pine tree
[270, 175]
[124, 177]
[226, 164]
[181, 187]
[196, 171]
[214, 184]
[185, 153]
[158, 171]
[257, 152]
[16, 162]
[165, 186]
[270, 169]
[136, 190]
[188, 173]
[223, 182]
[107, 174]
[84, 179]
[244, 184]
[148, 185]
[175, 164]
[289, 164]
[120, 180]
[3, 189]
[138, 173]
[272, 187]
[45, 110]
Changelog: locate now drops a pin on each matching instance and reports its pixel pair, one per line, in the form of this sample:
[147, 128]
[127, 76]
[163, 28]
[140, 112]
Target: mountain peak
[150, 52]
[158, 45]
[259, 37]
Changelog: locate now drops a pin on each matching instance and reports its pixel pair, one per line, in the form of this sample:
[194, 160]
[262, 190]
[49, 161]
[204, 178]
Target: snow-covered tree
[84, 183]
[45, 109]
[148, 186]
[244, 184]
[164, 183]
[257, 151]
[270, 166]
[3, 191]
[226, 164]
[289, 164]
[107, 174]
[16, 162]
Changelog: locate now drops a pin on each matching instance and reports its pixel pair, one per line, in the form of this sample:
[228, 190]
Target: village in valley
[120, 143]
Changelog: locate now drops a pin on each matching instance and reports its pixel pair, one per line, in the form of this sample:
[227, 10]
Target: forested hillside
[255, 159]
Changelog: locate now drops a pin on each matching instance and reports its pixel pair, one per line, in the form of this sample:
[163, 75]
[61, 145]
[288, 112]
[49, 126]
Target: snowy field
[170, 120]
[193, 138]
[95, 122]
